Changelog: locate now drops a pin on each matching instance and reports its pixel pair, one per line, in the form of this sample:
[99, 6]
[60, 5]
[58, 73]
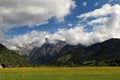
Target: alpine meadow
[61, 73]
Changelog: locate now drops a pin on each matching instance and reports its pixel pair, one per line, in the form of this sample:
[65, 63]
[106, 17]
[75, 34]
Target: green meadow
[61, 73]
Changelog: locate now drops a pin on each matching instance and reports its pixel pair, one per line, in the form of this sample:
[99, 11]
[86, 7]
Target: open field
[61, 73]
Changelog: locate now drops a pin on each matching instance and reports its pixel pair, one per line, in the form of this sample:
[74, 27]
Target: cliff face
[41, 55]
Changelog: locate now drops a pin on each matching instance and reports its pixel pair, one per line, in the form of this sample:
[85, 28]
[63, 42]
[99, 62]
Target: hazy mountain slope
[9, 57]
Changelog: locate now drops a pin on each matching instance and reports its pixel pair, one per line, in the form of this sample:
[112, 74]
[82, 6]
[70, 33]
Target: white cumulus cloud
[16, 13]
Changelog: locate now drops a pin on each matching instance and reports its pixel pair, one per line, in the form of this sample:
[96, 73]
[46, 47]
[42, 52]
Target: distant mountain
[25, 50]
[9, 57]
[41, 55]
[105, 53]
[60, 53]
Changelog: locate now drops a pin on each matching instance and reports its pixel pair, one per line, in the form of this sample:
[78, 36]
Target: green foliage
[9, 57]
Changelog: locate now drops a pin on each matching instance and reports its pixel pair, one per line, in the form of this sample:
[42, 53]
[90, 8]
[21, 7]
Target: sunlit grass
[61, 73]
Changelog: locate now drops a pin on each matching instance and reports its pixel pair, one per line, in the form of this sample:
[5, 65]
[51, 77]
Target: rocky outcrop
[40, 55]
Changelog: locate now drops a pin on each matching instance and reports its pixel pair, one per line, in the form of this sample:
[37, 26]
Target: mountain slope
[41, 55]
[9, 57]
[105, 53]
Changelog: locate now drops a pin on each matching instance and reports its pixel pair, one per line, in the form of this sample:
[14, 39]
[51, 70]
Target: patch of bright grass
[61, 73]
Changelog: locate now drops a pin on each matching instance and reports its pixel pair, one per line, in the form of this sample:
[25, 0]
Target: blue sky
[71, 18]
[85, 22]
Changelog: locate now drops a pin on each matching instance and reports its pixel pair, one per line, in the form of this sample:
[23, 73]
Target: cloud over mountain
[105, 22]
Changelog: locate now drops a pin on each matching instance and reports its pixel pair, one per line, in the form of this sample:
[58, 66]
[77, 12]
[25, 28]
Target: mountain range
[105, 53]
[62, 54]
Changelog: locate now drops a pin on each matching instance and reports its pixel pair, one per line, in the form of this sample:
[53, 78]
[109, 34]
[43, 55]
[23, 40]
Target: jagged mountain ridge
[60, 53]
[105, 53]
[41, 55]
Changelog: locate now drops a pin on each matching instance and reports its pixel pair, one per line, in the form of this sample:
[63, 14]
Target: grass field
[61, 73]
